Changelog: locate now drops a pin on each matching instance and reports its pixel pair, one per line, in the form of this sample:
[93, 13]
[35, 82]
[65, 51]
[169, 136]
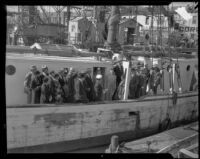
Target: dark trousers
[155, 89]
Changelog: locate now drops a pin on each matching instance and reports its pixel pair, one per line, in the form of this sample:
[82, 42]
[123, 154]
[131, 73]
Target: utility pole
[68, 19]
[136, 30]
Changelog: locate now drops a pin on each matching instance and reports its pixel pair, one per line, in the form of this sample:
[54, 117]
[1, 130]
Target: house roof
[127, 20]
[77, 19]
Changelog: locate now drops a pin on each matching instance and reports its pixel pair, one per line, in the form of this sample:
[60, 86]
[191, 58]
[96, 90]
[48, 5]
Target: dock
[179, 142]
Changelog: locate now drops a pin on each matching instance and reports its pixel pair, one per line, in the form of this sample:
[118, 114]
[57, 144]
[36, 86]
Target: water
[91, 150]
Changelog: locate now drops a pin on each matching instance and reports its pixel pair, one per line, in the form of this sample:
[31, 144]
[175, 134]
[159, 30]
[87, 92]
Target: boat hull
[59, 128]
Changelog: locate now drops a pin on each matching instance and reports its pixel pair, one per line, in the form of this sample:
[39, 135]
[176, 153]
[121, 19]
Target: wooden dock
[175, 141]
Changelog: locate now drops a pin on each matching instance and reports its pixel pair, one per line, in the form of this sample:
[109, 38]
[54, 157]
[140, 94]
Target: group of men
[142, 81]
[68, 85]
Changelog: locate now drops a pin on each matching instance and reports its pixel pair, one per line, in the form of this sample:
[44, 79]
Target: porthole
[10, 70]
[188, 68]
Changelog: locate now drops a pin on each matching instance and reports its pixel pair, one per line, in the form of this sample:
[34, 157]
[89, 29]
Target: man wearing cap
[98, 88]
[90, 85]
[45, 72]
[27, 83]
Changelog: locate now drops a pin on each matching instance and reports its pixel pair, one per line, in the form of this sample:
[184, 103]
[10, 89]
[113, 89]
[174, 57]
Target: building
[154, 33]
[79, 30]
[128, 31]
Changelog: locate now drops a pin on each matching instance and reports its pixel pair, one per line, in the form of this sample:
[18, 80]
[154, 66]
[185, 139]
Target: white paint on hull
[29, 126]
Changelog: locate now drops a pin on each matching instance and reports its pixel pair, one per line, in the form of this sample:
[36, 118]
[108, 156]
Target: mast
[161, 49]
[169, 51]
[152, 32]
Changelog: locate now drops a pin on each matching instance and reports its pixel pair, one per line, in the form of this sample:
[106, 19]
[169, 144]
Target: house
[128, 31]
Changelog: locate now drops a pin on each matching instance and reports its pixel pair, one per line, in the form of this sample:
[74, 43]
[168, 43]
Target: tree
[113, 23]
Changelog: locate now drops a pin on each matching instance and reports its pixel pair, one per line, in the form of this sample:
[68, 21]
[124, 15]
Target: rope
[161, 50]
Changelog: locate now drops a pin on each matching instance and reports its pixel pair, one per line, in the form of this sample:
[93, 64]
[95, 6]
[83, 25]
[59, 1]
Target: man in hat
[52, 86]
[133, 84]
[80, 89]
[66, 85]
[36, 84]
[140, 80]
[169, 69]
[98, 88]
[27, 83]
[61, 77]
[90, 85]
[119, 71]
[157, 79]
[58, 90]
[146, 76]
[121, 89]
[45, 91]
[110, 84]
[45, 72]
[72, 75]
[151, 80]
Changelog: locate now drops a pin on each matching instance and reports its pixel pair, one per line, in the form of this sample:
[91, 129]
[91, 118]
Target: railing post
[126, 90]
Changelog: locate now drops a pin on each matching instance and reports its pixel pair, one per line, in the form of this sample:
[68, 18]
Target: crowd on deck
[69, 85]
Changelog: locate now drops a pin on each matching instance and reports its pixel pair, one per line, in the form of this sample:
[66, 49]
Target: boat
[49, 128]
[176, 142]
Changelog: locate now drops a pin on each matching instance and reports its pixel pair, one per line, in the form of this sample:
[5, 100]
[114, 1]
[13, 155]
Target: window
[10, 70]
[194, 19]
[73, 28]
[188, 68]
[147, 20]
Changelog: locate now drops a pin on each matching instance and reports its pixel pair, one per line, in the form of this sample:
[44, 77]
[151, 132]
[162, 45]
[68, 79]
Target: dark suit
[98, 91]
[133, 87]
[89, 84]
[118, 69]
[36, 89]
[80, 93]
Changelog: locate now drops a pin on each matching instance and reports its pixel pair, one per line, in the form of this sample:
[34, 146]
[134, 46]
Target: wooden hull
[58, 128]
